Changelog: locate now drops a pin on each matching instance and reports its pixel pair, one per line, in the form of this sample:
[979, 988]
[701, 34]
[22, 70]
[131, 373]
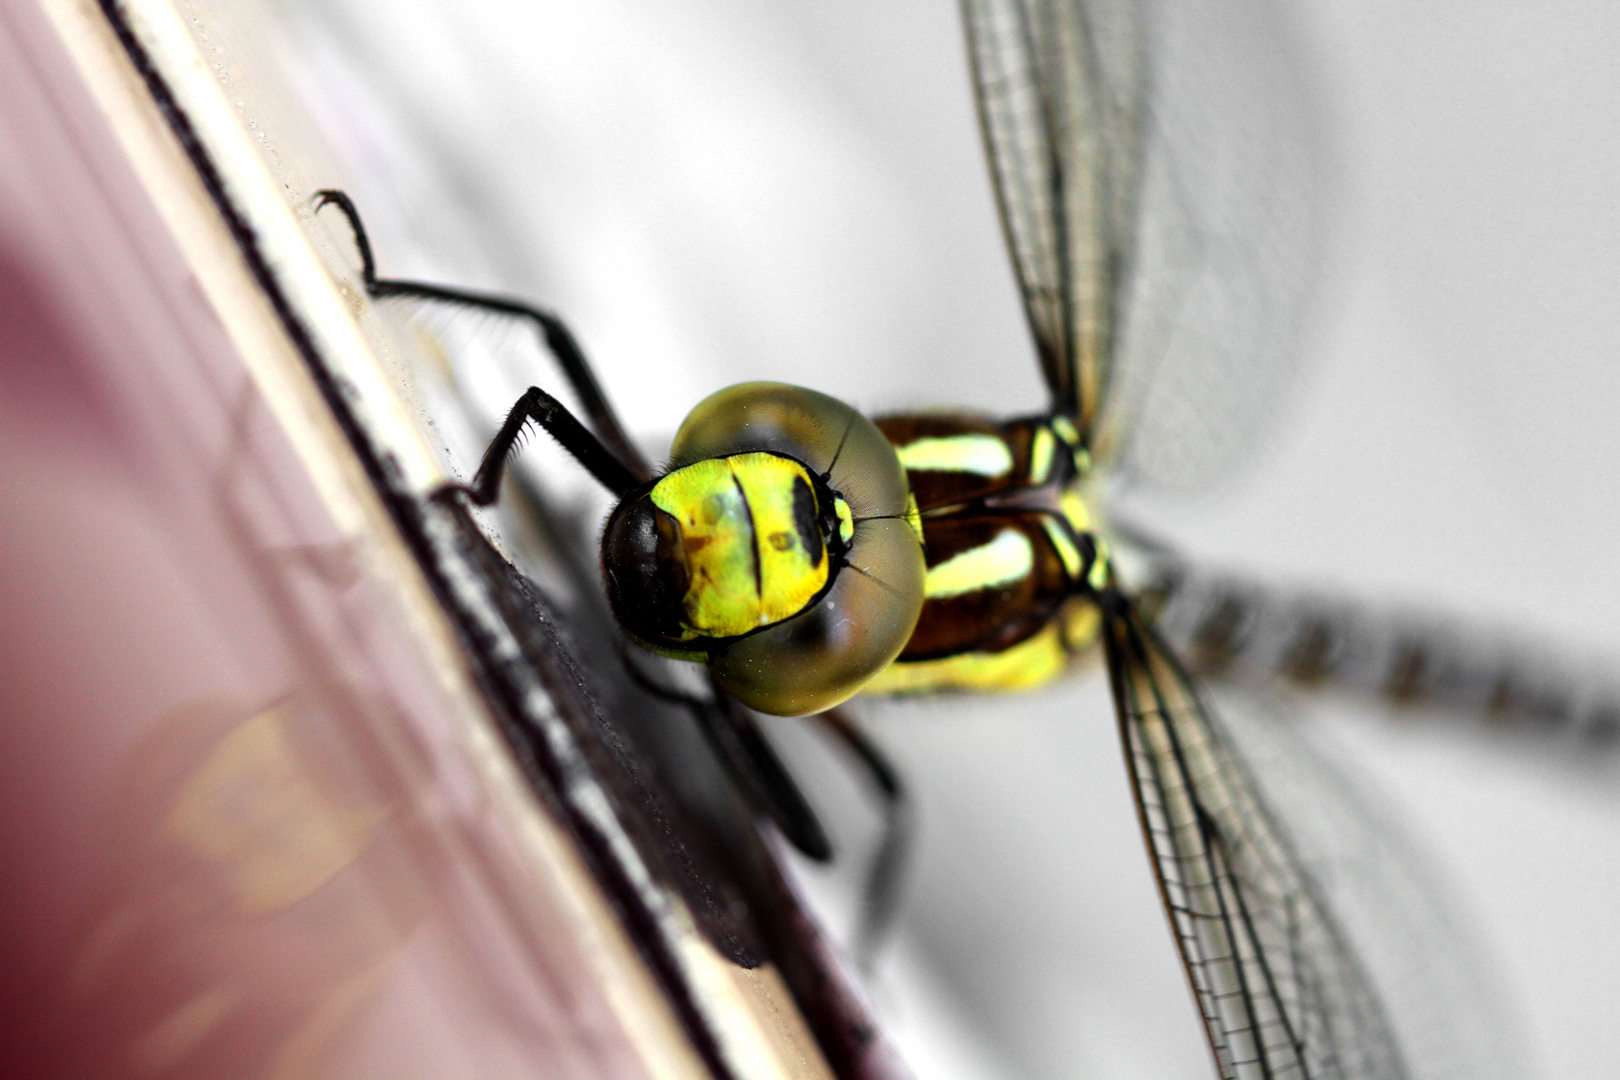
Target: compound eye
[824, 655]
[647, 576]
[828, 436]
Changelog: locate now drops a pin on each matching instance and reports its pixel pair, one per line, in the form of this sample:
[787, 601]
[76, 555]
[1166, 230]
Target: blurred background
[729, 191]
[796, 191]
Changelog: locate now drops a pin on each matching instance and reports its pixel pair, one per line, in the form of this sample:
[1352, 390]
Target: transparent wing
[1445, 1006]
[1059, 86]
[1281, 992]
[1224, 246]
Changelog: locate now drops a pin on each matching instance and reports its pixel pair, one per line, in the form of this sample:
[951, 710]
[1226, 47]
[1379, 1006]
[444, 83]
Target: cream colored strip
[1004, 560]
[982, 455]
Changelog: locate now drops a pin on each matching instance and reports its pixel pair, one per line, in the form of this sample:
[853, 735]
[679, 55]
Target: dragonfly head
[778, 548]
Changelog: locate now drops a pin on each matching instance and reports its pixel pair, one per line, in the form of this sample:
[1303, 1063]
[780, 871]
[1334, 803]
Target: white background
[794, 190]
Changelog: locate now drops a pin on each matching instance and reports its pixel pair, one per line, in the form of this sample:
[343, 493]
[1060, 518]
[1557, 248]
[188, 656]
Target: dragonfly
[803, 553]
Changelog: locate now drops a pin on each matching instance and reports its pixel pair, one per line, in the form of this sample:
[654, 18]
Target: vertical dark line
[753, 537]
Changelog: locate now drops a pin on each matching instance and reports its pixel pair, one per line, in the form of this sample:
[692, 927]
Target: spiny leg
[548, 412]
[880, 900]
[558, 339]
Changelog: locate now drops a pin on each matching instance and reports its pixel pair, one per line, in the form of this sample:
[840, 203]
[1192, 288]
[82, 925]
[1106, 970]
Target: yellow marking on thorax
[1042, 451]
[1078, 516]
[1073, 562]
[982, 455]
[1030, 663]
[1065, 430]
[1076, 510]
[1080, 621]
[1100, 568]
[744, 554]
[1007, 558]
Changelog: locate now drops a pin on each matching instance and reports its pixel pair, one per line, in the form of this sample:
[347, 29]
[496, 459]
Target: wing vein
[1280, 993]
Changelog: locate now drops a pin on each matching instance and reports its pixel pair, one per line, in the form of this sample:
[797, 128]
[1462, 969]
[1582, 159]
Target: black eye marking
[804, 519]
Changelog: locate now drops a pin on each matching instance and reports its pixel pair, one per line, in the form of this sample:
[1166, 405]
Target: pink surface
[237, 835]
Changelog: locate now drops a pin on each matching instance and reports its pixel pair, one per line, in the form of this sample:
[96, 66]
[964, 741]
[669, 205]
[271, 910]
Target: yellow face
[750, 538]
[785, 552]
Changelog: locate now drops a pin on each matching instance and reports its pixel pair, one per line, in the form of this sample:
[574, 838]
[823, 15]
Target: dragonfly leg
[733, 734]
[581, 444]
[558, 339]
[881, 898]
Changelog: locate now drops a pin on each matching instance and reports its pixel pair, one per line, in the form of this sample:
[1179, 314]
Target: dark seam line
[405, 508]
[753, 533]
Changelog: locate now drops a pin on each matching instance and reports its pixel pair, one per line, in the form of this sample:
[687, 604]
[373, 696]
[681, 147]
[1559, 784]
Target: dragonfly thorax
[1014, 565]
